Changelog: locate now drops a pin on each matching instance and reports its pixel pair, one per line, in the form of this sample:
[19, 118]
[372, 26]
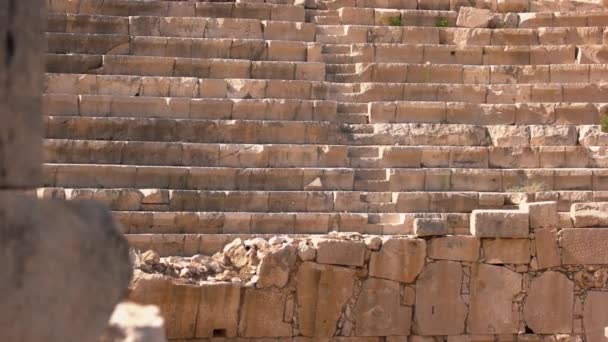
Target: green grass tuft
[604, 123]
[443, 22]
[394, 21]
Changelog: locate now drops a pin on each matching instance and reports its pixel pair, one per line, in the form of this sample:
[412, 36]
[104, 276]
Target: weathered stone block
[595, 315]
[500, 223]
[542, 214]
[440, 309]
[430, 227]
[456, 247]
[275, 267]
[506, 251]
[398, 259]
[340, 252]
[581, 246]
[589, 214]
[473, 17]
[322, 292]
[547, 249]
[379, 310]
[493, 290]
[549, 305]
[262, 315]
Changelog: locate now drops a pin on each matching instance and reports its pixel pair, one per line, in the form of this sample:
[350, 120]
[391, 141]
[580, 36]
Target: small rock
[306, 252]
[150, 257]
[276, 240]
[237, 253]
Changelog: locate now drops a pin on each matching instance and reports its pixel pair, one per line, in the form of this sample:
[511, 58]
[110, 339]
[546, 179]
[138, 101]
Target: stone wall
[517, 277]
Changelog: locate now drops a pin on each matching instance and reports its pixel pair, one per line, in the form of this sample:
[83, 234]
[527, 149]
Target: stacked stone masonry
[519, 276]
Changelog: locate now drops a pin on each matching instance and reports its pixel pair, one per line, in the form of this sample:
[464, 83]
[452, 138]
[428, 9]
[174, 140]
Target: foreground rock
[131, 322]
[64, 268]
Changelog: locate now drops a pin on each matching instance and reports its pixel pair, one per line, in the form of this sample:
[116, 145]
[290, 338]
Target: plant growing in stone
[604, 123]
[394, 21]
[443, 22]
[529, 188]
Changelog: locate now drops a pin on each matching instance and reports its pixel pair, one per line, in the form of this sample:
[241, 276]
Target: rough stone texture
[549, 305]
[506, 251]
[274, 268]
[21, 78]
[499, 223]
[589, 214]
[398, 259]
[131, 322]
[595, 315]
[379, 311]
[547, 249]
[218, 310]
[340, 252]
[440, 309]
[473, 17]
[262, 315]
[322, 293]
[542, 214]
[493, 290]
[458, 248]
[52, 254]
[430, 227]
[581, 246]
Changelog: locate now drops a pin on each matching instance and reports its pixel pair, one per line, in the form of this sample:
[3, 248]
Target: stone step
[332, 156]
[332, 179]
[224, 48]
[326, 20]
[180, 106]
[261, 11]
[337, 58]
[377, 205]
[352, 107]
[188, 67]
[332, 48]
[312, 132]
[91, 84]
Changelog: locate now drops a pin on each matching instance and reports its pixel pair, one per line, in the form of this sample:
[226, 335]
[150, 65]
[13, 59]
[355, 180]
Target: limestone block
[549, 305]
[356, 16]
[454, 247]
[589, 214]
[506, 251]
[533, 20]
[473, 17]
[21, 80]
[379, 310]
[499, 223]
[262, 314]
[398, 259]
[430, 227]
[232, 27]
[35, 236]
[287, 51]
[340, 252]
[218, 310]
[275, 267]
[583, 246]
[182, 27]
[440, 309]
[322, 292]
[131, 322]
[434, 4]
[547, 249]
[542, 214]
[493, 290]
[595, 317]
[285, 30]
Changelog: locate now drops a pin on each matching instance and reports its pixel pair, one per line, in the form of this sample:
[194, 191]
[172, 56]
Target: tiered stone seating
[235, 119]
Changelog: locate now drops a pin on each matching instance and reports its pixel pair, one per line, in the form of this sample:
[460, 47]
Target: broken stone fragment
[340, 252]
[398, 259]
[275, 267]
[589, 214]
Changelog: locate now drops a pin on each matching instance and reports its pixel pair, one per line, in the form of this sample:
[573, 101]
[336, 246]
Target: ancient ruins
[340, 170]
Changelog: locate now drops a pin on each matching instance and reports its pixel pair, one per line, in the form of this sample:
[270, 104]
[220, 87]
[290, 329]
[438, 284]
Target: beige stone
[500, 223]
[493, 290]
[262, 314]
[549, 305]
[589, 214]
[398, 259]
[455, 247]
[430, 227]
[547, 249]
[322, 291]
[595, 317]
[379, 311]
[542, 214]
[440, 309]
[275, 267]
[581, 246]
[506, 251]
[473, 17]
[340, 252]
